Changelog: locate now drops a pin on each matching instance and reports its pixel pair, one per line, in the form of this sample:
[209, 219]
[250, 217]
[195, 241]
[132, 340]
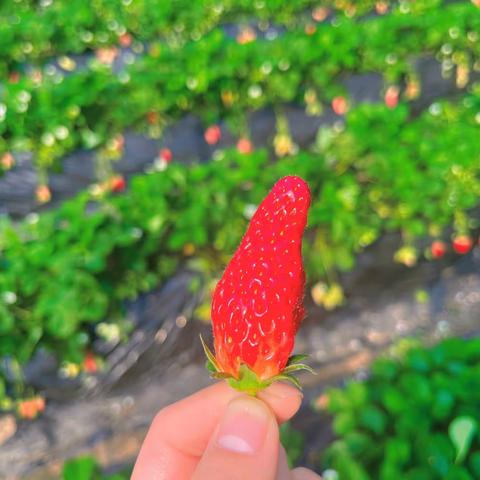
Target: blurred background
[137, 138]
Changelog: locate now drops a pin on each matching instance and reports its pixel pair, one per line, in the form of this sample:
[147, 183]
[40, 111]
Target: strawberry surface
[258, 303]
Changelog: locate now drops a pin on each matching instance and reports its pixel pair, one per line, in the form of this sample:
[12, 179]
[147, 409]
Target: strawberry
[166, 155]
[213, 134]
[7, 161]
[391, 96]
[258, 304]
[340, 105]
[152, 117]
[125, 40]
[381, 7]
[462, 244]
[14, 77]
[117, 183]
[90, 364]
[244, 145]
[43, 194]
[438, 249]
[319, 14]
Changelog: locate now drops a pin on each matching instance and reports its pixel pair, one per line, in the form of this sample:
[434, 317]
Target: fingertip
[283, 399]
[245, 444]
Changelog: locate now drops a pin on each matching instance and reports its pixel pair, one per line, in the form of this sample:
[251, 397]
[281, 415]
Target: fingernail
[244, 426]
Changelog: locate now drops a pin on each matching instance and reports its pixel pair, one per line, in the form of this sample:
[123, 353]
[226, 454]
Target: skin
[187, 440]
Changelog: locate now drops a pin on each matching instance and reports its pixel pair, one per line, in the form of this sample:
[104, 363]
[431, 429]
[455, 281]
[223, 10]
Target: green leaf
[84, 468]
[293, 441]
[461, 432]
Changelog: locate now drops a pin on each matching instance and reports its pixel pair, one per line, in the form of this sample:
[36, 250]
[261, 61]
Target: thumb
[245, 444]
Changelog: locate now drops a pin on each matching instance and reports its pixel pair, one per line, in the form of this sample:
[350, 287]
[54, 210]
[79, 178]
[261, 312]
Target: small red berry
[125, 40]
[7, 161]
[166, 155]
[391, 96]
[117, 183]
[339, 105]
[39, 403]
[244, 145]
[90, 363]
[246, 35]
[319, 14]
[438, 249]
[27, 409]
[14, 77]
[43, 194]
[152, 117]
[462, 244]
[30, 408]
[106, 55]
[310, 28]
[381, 7]
[213, 134]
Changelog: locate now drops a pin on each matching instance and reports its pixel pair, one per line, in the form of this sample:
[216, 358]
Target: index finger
[180, 432]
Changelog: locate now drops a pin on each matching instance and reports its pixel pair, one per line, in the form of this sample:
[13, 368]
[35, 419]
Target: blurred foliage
[293, 442]
[220, 78]
[64, 271]
[34, 31]
[86, 468]
[416, 416]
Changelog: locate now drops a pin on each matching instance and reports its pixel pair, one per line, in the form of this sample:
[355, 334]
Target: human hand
[221, 434]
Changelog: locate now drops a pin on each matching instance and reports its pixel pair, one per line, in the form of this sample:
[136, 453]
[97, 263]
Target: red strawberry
[14, 77]
[90, 364]
[462, 244]
[438, 249]
[125, 40]
[43, 194]
[391, 96]
[244, 145]
[152, 117]
[117, 183]
[166, 155]
[340, 105]
[213, 134]
[258, 304]
[381, 7]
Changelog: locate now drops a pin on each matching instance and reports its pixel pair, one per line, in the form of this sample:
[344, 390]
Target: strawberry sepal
[247, 380]
[296, 359]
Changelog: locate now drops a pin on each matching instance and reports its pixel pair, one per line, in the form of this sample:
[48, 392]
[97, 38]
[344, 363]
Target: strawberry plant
[89, 107]
[87, 468]
[66, 270]
[34, 32]
[415, 417]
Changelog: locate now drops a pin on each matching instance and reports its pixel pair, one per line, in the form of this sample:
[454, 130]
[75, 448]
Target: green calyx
[248, 381]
